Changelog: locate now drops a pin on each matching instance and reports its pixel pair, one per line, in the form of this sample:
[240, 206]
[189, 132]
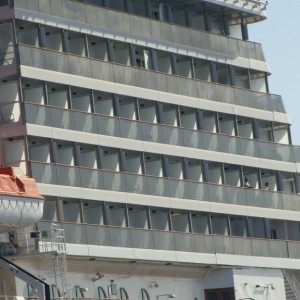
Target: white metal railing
[293, 282]
[253, 5]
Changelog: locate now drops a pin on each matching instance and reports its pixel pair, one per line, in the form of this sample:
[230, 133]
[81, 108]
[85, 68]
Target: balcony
[57, 174]
[132, 76]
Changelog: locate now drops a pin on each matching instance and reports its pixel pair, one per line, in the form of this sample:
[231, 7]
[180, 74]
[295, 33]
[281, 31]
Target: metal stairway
[291, 285]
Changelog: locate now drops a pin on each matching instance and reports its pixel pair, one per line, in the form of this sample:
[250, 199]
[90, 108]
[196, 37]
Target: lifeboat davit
[21, 204]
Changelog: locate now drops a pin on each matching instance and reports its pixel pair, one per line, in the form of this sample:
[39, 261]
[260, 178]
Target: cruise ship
[166, 164]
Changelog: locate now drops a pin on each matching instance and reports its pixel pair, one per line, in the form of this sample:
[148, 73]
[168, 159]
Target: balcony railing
[157, 133]
[140, 27]
[56, 174]
[176, 241]
[253, 5]
[132, 76]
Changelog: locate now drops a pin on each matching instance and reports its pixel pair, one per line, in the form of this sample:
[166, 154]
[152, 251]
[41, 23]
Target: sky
[280, 38]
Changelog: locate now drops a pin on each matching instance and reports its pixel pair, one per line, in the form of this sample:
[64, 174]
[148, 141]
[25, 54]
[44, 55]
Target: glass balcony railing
[176, 241]
[141, 27]
[157, 133]
[86, 67]
[160, 186]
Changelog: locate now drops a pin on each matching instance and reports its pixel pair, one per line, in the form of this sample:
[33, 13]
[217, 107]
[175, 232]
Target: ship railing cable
[293, 282]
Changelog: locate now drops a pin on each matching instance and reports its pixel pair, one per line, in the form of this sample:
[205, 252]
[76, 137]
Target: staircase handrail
[293, 282]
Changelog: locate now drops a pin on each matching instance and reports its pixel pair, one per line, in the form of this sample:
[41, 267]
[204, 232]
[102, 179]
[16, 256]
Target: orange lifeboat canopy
[14, 183]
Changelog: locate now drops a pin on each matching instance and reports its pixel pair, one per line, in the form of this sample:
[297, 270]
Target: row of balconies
[167, 219]
[161, 133]
[153, 80]
[144, 57]
[159, 165]
[177, 241]
[100, 179]
[143, 14]
[150, 111]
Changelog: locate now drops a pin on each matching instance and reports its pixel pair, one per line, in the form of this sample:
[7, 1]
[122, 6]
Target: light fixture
[113, 291]
[153, 284]
[169, 296]
[258, 286]
[76, 288]
[268, 285]
[98, 276]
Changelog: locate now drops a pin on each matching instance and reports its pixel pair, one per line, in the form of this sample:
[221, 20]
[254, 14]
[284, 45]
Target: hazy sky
[280, 38]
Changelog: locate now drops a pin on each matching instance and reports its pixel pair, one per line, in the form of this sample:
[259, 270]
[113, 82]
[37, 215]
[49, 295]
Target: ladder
[52, 241]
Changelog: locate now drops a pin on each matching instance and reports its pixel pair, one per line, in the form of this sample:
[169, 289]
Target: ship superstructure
[160, 150]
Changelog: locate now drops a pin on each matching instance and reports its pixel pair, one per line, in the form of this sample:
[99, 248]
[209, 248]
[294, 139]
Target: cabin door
[219, 294]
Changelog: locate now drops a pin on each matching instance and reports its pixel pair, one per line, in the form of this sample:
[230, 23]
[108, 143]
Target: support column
[170, 220]
[213, 72]
[148, 9]
[232, 78]
[92, 101]
[126, 216]
[106, 214]
[149, 218]
[45, 91]
[190, 222]
[226, 26]
[267, 228]
[297, 183]
[128, 6]
[199, 119]
[267, 83]
[165, 165]
[210, 228]
[244, 28]
[153, 55]
[69, 98]
[272, 134]
[53, 152]
[77, 154]
[42, 36]
[66, 45]
[132, 55]
[159, 113]
[116, 105]
[100, 158]
[207, 22]
[249, 228]
[290, 135]
[110, 51]
[236, 126]
[255, 128]
[186, 168]
[169, 13]
[174, 64]
[204, 170]
[279, 181]
[122, 160]
[188, 17]
[228, 224]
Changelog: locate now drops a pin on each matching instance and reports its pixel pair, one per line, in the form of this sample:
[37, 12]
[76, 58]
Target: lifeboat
[21, 204]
